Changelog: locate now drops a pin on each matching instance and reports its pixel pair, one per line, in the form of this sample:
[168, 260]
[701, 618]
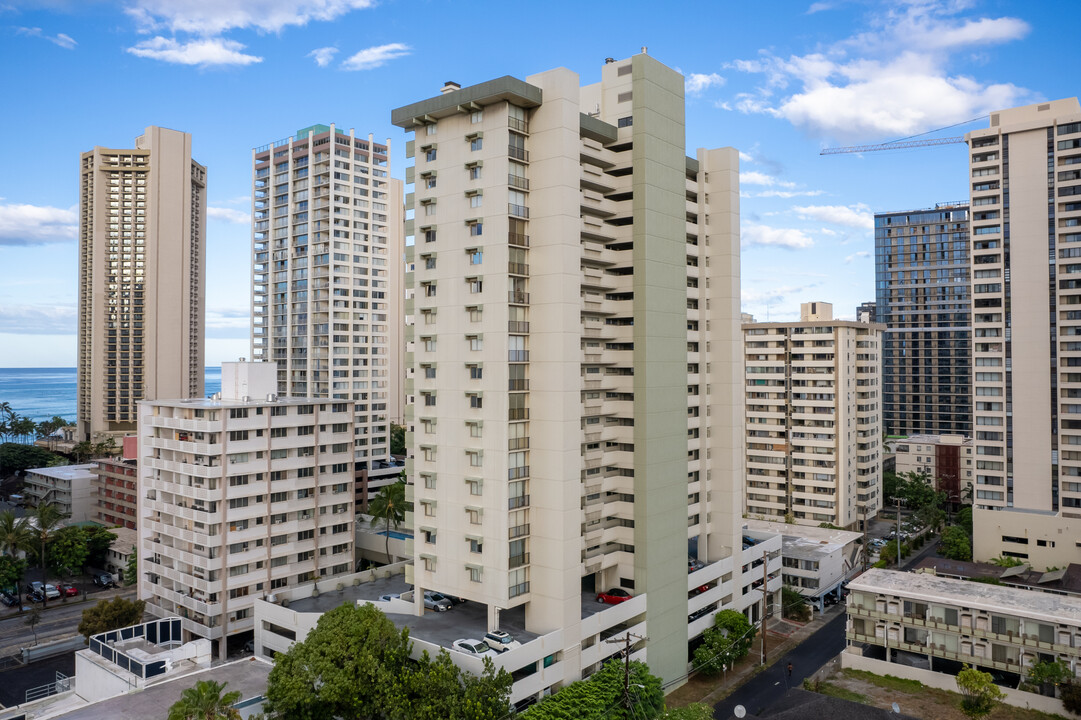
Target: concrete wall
[851, 658]
[1057, 534]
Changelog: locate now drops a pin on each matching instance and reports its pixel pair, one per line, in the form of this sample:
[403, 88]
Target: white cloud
[213, 17]
[37, 224]
[772, 293]
[323, 55]
[754, 177]
[38, 319]
[893, 80]
[374, 57]
[819, 7]
[857, 255]
[855, 216]
[744, 157]
[763, 235]
[697, 83]
[786, 193]
[61, 39]
[228, 215]
[204, 52]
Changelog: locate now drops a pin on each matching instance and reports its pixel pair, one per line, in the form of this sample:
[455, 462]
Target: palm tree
[389, 506]
[14, 534]
[46, 519]
[23, 427]
[205, 701]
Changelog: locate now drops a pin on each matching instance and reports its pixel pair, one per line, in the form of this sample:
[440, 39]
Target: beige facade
[813, 419]
[1044, 540]
[240, 497]
[575, 351]
[1025, 211]
[327, 291]
[142, 283]
[940, 619]
[946, 459]
[68, 487]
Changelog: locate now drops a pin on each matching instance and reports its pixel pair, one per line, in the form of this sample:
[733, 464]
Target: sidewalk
[781, 636]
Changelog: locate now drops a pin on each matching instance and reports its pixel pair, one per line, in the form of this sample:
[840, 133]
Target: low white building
[68, 487]
[120, 550]
[816, 560]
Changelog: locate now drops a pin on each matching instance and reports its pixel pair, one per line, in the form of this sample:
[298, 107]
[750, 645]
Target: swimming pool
[395, 534]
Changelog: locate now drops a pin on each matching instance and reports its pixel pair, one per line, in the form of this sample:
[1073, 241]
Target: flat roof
[801, 538]
[941, 439]
[67, 472]
[258, 401]
[507, 88]
[983, 596]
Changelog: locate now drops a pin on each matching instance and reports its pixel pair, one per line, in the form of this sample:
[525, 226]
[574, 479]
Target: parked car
[701, 613]
[104, 580]
[699, 590]
[8, 599]
[67, 590]
[35, 597]
[614, 596]
[473, 647]
[34, 587]
[51, 592]
[694, 564]
[390, 596]
[249, 647]
[454, 599]
[501, 641]
[435, 601]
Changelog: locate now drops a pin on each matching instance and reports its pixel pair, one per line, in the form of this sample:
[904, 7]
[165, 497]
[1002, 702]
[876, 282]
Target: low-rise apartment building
[115, 487]
[241, 494]
[945, 459]
[813, 419]
[941, 622]
[816, 560]
[68, 487]
[1044, 540]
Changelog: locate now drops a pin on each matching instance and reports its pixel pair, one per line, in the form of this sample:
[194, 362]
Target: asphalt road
[768, 686]
[15, 682]
[60, 620]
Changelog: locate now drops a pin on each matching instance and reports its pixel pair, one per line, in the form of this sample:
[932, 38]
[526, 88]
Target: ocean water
[41, 393]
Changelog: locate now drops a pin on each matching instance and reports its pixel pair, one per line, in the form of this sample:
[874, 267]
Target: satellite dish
[897, 708]
[739, 711]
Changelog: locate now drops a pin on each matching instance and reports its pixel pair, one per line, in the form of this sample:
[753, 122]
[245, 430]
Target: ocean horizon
[42, 393]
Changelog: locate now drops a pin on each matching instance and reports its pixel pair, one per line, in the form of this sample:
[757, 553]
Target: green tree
[726, 642]
[98, 542]
[16, 458]
[437, 689]
[1049, 675]
[12, 570]
[389, 506]
[979, 694]
[131, 572]
[206, 701]
[45, 520]
[694, 711]
[601, 696]
[347, 667]
[111, 615]
[67, 550]
[397, 439]
[32, 619]
[955, 543]
[964, 519]
[794, 605]
[83, 450]
[1007, 562]
[15, 534]
[890, 485]
[1071, 697]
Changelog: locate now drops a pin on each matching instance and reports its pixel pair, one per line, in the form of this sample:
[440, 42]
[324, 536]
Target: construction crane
[900, 145]
[906, 142]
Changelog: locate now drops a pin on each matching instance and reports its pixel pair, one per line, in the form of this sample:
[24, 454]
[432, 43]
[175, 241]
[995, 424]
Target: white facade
[68, 487]
[813, 419]
[327, 246]
[815, 560]
[240, 497]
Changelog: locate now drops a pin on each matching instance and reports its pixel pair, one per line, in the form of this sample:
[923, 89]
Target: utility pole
[626, 664]
[863, 521]
[765, 596]
[898, 533]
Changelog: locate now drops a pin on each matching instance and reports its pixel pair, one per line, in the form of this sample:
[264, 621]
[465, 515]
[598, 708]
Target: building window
[429, 372]
[476, 229]
[474, 172]
[429, 208]
[476, 257]
[429, 154]
[429, 344]
[475, 343]
[476, 402]
[429, 399]
[476, 458]
[476, 285]
[476, 545]
[429, 535]
[476, 200]
[474, 515]
[476, 372]
[429, 129]
[429, 480]
[476, 116]
[476, 143]
[429, 562]
[429, 235]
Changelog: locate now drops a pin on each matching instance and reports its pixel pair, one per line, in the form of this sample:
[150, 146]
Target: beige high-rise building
[240, 495]
[576, 356]
[814, 419]
[142, 254]
[1026, 307]
[327, 243]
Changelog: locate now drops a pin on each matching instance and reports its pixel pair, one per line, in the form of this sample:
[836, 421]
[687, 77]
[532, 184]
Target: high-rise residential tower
[239, 495]
[142, 253]
[814, 428]
[922, 297]
[1025, 175]
[327, 249]
[577, 373]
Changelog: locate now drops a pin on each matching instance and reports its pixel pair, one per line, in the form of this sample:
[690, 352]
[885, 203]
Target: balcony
[516, 473]
[517, 326]
[517, 356]
[518, 240]
[521, 443]
[518, 125]
[517, 385]
[517, 153]
[517, 181]
[517, 561]
[518, 210]
[515, 268]
[519, 589]
[517, 501]
[518, 413]
[517, 297]
[518, 531]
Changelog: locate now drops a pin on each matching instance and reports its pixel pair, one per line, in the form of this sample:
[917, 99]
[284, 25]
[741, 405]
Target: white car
[501, 641]
[473, 647]
[389, 597]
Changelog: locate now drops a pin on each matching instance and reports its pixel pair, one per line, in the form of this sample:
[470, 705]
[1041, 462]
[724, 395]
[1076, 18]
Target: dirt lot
[914, 698]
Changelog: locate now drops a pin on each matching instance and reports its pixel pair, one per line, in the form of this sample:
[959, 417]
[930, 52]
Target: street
[60, 620]
[767, 687]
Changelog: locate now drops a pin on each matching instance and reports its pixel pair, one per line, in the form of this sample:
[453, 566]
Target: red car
[67, 590]
[614, 596]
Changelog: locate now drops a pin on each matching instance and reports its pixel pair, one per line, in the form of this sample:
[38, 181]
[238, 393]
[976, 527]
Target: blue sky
[778, 80]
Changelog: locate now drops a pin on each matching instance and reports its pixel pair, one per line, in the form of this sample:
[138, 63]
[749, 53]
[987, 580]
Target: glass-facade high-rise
[922, 295]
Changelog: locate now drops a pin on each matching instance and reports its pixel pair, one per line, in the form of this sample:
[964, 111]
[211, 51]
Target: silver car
[472, 647]
[435, 601]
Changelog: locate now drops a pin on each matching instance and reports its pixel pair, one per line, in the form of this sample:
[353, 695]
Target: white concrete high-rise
[142, 280]
[327, 243]
[576, 359]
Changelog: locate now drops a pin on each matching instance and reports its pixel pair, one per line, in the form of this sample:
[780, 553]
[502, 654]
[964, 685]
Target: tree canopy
[979, 694]
[16, 457]
[601, 696]
[955, 543]
[66, 550]
[12, 570]
[397, 439]
[207, 700]
[355, 664]
[726, 642]
[111, 615]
